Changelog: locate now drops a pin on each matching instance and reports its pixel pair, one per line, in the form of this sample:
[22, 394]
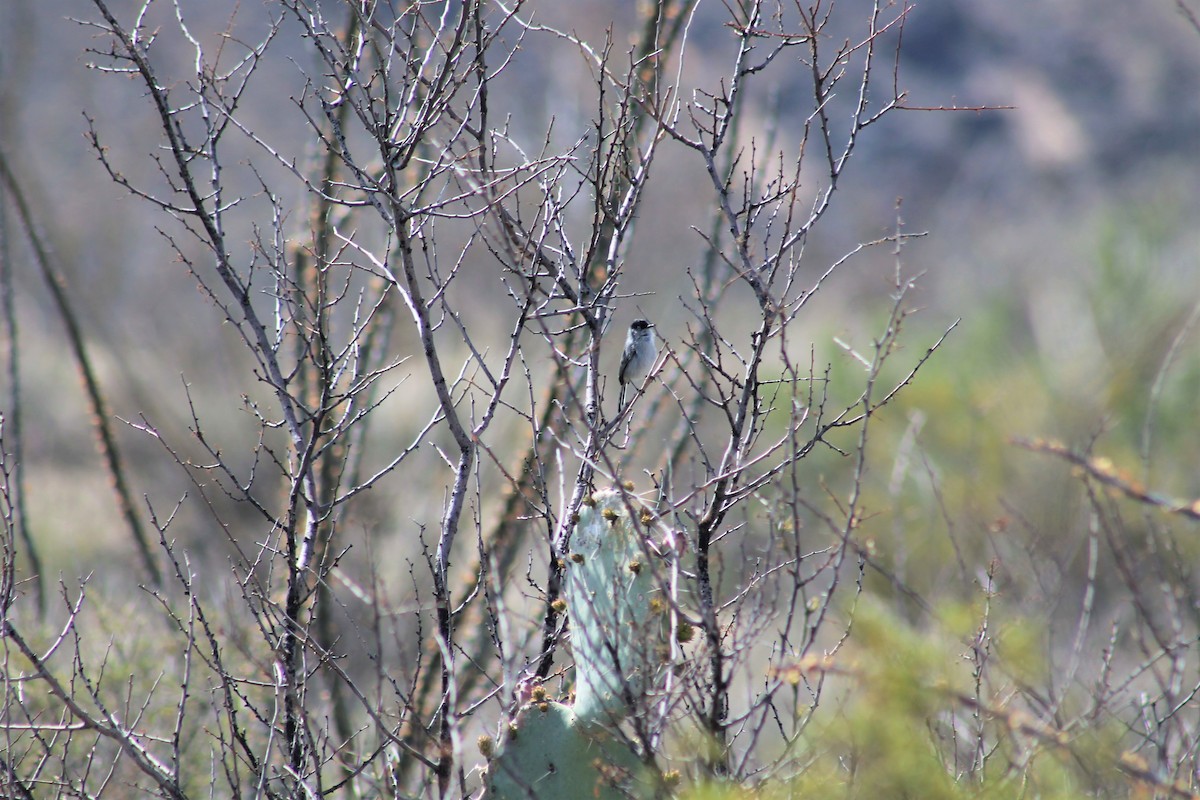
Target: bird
[641, 350]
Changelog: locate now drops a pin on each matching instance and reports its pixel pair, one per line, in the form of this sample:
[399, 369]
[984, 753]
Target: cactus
[620, 618]
[621, 639]
[547, 754]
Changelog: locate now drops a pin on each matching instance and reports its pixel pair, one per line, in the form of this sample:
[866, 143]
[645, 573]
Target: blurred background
[1063, 220]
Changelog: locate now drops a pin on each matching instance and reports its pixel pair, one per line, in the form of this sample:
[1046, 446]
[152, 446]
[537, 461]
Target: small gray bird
[641, 350]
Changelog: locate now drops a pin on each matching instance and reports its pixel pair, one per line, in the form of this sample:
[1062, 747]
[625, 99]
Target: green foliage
[908, 722]
[1098, 354]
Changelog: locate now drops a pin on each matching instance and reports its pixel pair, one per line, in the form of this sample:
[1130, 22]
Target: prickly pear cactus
[547, 754]
[620, 615]
[619, 609]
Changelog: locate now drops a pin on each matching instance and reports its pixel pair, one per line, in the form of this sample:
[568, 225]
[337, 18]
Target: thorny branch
[456, 280]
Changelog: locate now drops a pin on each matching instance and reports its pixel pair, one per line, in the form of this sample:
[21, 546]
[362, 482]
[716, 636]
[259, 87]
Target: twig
[1105, 472]
[101, 418]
